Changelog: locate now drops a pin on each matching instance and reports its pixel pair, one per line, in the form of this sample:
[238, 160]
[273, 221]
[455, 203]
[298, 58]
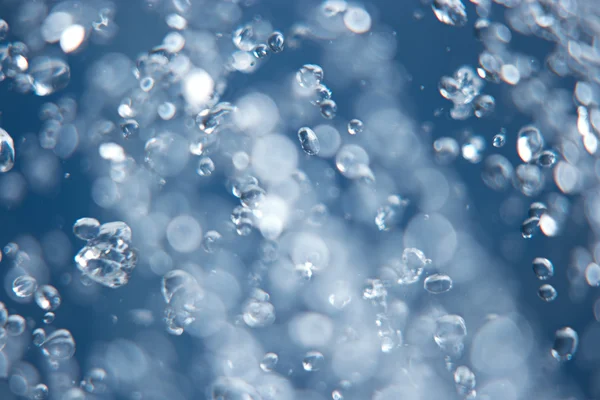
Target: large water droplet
[450, 12]
[437, 283]
[47, 298]
[309, 141]
[276, 42]
[86, 228]
[24, 286]
[59, 345]
[49, 75]
[565, 345]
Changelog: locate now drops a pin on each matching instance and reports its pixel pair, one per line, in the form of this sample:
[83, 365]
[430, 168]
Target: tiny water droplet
[48, 318]
[129, 127]
[547, 159]
[206, 166]
[309, 75]
[38, 336]
[499, 140]
[261, 51]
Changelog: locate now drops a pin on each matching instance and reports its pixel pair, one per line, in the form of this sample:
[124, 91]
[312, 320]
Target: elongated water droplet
[565, 345]
[258, 314]
[450, 333]
[38, 336]
[24, 286]
[529, 143]
[547, 292]
[309, 141]
[450, 12]
[543, 268]
[86, 228]
[464, 379]
[437, 283]
[7, 151]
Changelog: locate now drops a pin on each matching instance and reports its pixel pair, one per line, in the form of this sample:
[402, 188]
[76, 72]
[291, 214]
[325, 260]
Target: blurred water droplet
[59, 345]
[15, 325]
[3, 338]
[322, 93]
[24, 286]
[38, 336]
[313, 361]
[547, 159]
[547, 292]
[543, 268]
[464, 379]
[47, 298]
[592, 274]
[450, 332]
[390, 214]
[337, 395]
[446, 150]
[309, 76]
[309, 141]
[7, 151]
[49, 75]
[206, 166]
[355, 126]
[473, 148]
[529, 227]
[537, 209]
[529, 143]
[212, 241]
[499, 140]
[276, 42]
[497, 172]
[48, 318]
[39, 392]
[328, 109]
[95, 381]
[269, 362]
[565, 344]
[129, 127]
[437, 283]
[350, 160]
[261, 51]
[252, 196]
[4, 29]
[450, 12]
[258, 314]
[484, 105]
[86, 228]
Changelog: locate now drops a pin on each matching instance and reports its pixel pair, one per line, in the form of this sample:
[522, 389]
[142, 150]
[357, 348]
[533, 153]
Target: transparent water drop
[212, 241]
[499, 140]
[49, 75]
[166, 110]
[258, 314]
[409, 270]
[497, 172]
[309, 76]
[464, 379]
[59, 345]
[484, 105]
[547, 292]
[529, 227]
[39, 392]
[322, 93]
[450, 332]
[328, 109]
[252, 196]
[269, 362]
[529, 179]
[15, 325]
[375, 291]
[147, 83]
[355, 126]
[313, 361]
[261, 51]
[240, 183]
[7, 151]
[24, 286]
[48, 318]
[206, 166]
[350, 159]
[245, 37]
[543, 268]
[450, 12]
[47, 298]
[547, 159]
[565, 344]
[309, 141]
[38, 337]
[473, 148]
[537, 209]
[437, 283]
[390, 214]
[86, 228]
[276, 42]
[211, 119]
[95, 381]
[446, 150]
[529, 143]
[130, 127]
[174, 281]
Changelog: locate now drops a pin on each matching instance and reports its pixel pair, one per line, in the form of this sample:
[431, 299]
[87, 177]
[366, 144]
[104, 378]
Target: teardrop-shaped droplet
[309, 141]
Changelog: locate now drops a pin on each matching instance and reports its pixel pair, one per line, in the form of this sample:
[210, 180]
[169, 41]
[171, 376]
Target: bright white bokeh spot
[184, 234]
[198, 87]
[357, 20]
[274, 158]
[257, 114]
[54, 25]
[72, 38]
[311, 330]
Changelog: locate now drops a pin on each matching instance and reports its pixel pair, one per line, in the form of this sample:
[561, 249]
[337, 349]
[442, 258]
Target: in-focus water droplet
[309, 76]
[47, 298]
[565, 344]
[206, 166]
[313, 361]
[543, 268]
[15, 325]
[547, 159]
[464, 379]
[49, 75]
[252, 196]
[48, 317]
[276, 42]
[59, 345]
[212, 241]
[355, 126]
[261, 51]
[328, 109]
[39, 392]
[129, 127]
[86, 228]
[450, 12]
[547, 292]
[257, 314]
[437, 283]
[309, 141]
[529, 227]
[529, 143]
[450, 332]
[499, 140]
[7, 151]
[269, 362]
[38, 336]
[484, 105]
[24, 286]
[245, 37]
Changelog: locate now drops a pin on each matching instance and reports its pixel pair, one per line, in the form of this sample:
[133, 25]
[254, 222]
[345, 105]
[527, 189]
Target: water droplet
[350, 160]
[269, 362]
[389, 215]
[129, 127]
[529, 143]
[322, 93]
[261, 51]
[592, 274]
[328, 109]
[484, 105]
[276, 42]
[355, 126]
[337, 395]
[499, 140]
[59, 345]
[530, 180]
[565, 345]
[4, 28]
[547, 159]
[174, 281]
[39, 336]
[48, 318]
[313, 361]
[147, 83]
[206, 166]
[547, 292]
[7, 151]
[258, 314]
[166, 110]
[537, 209]
[24, 286]
[543, 268]
[529, 227]
[95, 381]
[47, 298]
[464, 379]
[473, 148]
[210, 120]
[450, 332]
[252, 196]
[15, 325]
[450, 12]
[437, 283]
[245, 37]
[409, 270]
[375, 291]
[212, 241]
[497, 172]
[86, 228]
[309, 141]
[49, 75]
[446, 150]
[309, 76]
[3, 314]
[39, 392]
